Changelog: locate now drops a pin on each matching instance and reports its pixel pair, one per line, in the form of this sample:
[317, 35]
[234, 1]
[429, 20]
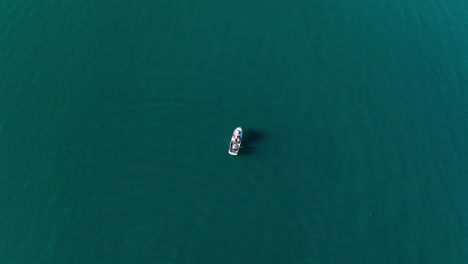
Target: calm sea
[115, 119]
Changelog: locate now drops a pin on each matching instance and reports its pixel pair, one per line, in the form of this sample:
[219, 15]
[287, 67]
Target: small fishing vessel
[236, 140]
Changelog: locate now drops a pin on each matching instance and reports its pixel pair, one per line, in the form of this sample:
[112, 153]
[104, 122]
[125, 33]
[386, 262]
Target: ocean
[116, 116]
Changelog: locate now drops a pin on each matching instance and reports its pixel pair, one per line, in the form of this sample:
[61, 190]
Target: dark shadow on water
[250, 141]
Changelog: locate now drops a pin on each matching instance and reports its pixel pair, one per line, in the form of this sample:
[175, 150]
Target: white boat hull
[236, 141]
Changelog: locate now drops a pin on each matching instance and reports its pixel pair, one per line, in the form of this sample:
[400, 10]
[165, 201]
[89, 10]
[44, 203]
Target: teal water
[115, 119]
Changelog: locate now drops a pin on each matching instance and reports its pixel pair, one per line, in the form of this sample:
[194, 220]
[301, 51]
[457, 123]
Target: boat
[236, 140]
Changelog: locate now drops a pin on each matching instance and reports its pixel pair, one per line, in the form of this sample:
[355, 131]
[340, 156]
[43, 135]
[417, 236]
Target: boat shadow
[250, 140]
